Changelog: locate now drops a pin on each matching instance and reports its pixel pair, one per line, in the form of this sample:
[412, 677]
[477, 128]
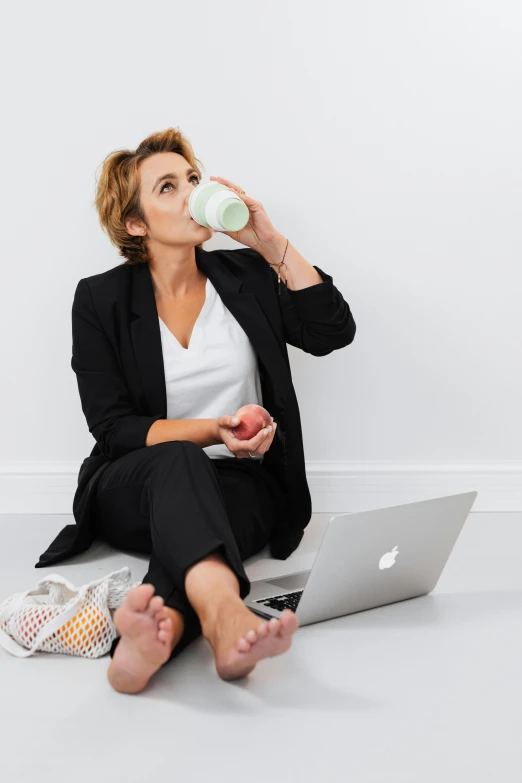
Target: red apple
[252, 419]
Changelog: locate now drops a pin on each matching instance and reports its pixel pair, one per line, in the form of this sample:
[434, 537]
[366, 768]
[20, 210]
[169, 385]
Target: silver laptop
[368, 559]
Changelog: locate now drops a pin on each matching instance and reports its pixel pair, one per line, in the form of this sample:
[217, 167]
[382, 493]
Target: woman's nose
[189, 188]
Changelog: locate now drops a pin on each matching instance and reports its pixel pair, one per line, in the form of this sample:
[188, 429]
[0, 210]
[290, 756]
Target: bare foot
[149, 632]
[240, 638]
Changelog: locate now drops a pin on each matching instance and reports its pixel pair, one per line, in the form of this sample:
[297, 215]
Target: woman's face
[165, 187]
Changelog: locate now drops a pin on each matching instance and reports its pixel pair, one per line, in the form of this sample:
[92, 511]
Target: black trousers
[176, 504]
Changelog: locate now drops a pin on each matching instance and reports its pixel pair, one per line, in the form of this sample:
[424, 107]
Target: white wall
[383, 138]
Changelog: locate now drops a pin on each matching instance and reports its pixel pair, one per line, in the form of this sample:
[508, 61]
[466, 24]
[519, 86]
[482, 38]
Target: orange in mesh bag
[58, 617]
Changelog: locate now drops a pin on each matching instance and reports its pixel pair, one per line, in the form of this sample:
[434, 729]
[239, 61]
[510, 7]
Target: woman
[166, 346]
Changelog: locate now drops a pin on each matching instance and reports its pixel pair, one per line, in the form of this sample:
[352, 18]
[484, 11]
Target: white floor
[423, 691]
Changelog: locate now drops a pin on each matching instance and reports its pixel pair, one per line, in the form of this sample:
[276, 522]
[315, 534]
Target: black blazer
[118, 361]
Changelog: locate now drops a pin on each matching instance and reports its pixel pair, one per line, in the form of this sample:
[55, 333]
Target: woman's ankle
[228, 601]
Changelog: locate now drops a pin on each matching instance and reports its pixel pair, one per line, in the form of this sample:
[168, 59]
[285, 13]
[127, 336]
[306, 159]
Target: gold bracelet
[279, 270]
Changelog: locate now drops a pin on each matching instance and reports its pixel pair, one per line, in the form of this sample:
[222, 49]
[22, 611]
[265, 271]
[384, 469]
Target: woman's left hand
[259, 230]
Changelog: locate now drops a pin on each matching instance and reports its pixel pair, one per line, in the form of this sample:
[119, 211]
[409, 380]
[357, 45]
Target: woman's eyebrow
[170, 176]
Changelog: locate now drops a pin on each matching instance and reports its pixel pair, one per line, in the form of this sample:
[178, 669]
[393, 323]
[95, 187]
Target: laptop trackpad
[291, 582]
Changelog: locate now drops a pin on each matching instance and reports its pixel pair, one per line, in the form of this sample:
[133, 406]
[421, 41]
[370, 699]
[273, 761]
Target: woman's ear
[134, 228]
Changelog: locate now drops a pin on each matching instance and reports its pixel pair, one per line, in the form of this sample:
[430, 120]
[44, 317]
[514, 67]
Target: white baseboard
[335, 487]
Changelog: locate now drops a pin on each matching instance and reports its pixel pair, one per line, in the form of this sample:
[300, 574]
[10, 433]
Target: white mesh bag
[58, 617]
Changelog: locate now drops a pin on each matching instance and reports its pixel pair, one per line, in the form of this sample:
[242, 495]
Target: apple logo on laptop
[388, 559]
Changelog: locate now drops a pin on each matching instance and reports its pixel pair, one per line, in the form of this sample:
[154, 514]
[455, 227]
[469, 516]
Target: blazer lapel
[244, 306]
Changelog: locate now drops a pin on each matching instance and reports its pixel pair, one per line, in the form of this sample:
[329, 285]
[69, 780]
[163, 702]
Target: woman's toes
[251, 636]
[164, 630]
[243, 645]
[262, 630]
[289, 622]
[138, 598]
[156, 603]
[161, 614]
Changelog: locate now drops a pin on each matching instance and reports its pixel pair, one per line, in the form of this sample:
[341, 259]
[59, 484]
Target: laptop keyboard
[282, 602]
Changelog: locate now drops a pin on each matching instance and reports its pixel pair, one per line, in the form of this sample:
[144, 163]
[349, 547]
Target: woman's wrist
[273, 250]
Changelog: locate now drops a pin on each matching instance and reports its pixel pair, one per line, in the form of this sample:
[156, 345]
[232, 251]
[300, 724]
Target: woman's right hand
[240, 448]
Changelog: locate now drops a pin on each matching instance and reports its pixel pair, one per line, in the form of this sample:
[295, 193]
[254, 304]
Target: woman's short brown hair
[118, 190]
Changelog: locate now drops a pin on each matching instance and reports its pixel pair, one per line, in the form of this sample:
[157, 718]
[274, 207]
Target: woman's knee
[176, 446]
[174, 451]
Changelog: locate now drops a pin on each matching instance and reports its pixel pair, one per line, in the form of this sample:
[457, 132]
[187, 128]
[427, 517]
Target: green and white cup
[215, 206]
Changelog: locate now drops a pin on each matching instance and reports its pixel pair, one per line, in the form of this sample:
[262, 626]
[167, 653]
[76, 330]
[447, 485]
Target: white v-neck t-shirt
[217, 374]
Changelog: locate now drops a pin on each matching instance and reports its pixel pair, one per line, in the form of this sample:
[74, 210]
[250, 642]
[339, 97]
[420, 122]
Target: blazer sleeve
[113, 420]
[316, 319]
